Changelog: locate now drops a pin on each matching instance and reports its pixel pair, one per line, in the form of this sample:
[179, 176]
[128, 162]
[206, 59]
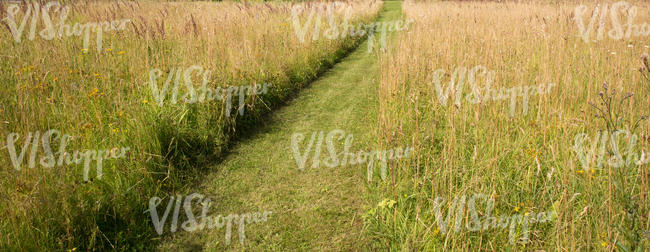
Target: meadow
[525, 162]
[102, 97]
[524, 125]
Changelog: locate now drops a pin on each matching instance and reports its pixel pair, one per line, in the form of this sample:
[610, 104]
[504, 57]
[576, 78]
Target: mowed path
[315, 209]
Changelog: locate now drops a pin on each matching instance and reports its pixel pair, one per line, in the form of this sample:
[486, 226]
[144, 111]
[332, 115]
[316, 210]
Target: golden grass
[102, 99]
[524, 161]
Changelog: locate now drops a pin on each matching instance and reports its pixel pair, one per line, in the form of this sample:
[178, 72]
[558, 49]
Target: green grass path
[315, 209]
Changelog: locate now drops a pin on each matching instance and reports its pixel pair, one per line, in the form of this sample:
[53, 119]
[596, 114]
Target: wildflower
[120, 113]
[109, 49]
[84, 51]
[120, 52]
[386, 203]
[517, 209]
[526, 214]
[145, 101]
[604, 244]
[85, 126]
[405, 195]
[436, 231]
[97, 75]
[580, 172]
[94, 92]
[116, 131]
[603, 234]
[55, 79]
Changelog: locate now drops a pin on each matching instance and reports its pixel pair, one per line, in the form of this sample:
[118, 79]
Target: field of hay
[530, 112]
[104, 100]
[525, 162]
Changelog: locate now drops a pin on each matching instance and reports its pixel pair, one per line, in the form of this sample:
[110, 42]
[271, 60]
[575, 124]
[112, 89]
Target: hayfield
[525, 124]
[104, 100]
[525, 161]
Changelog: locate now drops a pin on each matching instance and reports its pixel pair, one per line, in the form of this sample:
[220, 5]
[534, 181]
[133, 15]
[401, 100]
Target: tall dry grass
[103, 99]
[524, 162]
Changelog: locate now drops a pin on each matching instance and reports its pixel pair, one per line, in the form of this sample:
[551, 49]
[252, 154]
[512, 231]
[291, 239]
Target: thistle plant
[645, 69]
[610, 112]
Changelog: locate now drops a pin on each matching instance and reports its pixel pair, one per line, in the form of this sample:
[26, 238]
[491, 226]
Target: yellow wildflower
[93, 93]
[580, 172]
[109, 49]
[85, 126]
[121, 52]
[517, 209]
[145, 101]
[604, 244]
[386, 203]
